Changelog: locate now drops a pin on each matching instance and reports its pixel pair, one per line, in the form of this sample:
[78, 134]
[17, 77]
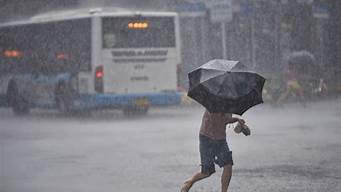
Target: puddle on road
[311, 172]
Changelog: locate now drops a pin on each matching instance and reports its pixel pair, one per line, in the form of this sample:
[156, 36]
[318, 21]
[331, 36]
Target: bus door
[44, 83]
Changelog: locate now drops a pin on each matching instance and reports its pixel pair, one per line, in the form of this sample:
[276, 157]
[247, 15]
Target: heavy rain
[130, 95]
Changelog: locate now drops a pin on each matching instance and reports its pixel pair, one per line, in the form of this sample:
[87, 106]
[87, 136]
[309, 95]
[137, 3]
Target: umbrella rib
[253, 89]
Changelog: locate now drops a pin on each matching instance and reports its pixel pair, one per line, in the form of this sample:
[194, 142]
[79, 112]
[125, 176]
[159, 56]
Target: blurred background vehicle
[86, 59]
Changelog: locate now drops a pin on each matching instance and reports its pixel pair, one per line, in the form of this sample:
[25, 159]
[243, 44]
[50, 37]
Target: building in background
[333, 44]
[262, 34]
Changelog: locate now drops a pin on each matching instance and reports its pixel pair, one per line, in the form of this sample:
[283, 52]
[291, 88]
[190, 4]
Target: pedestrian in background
[293, 86]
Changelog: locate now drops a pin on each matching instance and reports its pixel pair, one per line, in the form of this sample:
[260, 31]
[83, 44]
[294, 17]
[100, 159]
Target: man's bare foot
[186, 186]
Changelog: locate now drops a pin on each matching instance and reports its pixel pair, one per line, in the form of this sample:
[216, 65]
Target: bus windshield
[138, 32]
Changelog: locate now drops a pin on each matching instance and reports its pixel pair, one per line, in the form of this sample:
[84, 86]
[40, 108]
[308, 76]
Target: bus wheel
[19, 105]
[64, 99]
[135, 111]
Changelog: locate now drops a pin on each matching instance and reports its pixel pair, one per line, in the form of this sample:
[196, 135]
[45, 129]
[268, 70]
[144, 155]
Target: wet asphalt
[291, 148]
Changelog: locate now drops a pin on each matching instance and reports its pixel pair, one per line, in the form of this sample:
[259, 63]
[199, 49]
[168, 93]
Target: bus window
[60, 45]
[109, 40]
[137, 32]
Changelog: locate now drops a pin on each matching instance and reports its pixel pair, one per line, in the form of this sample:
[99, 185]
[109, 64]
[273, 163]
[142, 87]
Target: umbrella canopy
[302, 57]
[304, 61]
[225, 86]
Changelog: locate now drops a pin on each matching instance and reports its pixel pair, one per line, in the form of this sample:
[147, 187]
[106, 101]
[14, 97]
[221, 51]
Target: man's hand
[241, 121]
[235, 119]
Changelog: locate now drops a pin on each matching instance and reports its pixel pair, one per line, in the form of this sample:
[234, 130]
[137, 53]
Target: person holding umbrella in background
[293, 85]
[224, 88]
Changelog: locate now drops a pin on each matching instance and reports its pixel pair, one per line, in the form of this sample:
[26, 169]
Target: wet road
[290, 149]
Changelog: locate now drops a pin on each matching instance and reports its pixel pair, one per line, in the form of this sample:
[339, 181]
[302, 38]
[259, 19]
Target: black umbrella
[225, 86]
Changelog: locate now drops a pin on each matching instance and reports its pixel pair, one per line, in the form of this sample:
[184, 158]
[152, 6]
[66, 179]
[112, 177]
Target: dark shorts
[213, 151]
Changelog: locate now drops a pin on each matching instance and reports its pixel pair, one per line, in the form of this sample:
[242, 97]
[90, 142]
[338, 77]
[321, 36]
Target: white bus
[90, 59]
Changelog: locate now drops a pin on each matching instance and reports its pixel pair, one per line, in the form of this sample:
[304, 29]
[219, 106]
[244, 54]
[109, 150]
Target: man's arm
[235, 119]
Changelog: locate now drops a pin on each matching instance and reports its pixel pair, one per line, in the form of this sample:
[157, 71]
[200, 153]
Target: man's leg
[207, 163]
[226, 177]
[196, 177]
